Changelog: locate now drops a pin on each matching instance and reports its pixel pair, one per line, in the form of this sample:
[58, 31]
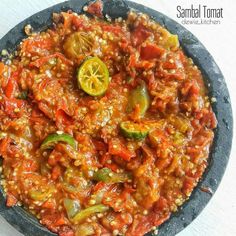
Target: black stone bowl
[28, 225]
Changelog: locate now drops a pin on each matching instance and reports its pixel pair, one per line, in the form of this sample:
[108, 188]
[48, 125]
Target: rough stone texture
[29, 226]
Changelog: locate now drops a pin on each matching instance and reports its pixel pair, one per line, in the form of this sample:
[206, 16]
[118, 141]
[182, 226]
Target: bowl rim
[213, 78]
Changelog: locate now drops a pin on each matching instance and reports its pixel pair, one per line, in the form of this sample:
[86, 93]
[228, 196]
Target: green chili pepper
[82, 215]
[52, 139]
[38, 195]
[139, 96]
[72, 207]
[108, 176]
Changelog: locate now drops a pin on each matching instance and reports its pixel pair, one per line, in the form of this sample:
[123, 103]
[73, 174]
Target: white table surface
[218, 218]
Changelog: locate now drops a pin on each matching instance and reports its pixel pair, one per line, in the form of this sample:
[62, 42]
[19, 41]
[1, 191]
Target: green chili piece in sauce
[82, 215]
[108, 176]
[72, 207]
[52, 139]
[139, 96]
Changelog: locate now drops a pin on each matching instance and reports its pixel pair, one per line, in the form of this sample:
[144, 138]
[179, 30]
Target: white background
[219, 217]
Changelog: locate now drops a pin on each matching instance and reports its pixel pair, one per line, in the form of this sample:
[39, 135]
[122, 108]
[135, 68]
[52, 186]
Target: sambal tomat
[106, 125]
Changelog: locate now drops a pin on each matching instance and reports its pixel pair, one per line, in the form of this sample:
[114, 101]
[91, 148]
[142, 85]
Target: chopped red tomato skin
[10, 106]
[139, 35]
[161, 205]
[10, 88]
[56, 172]
[63, 119]
[78, 23]
[49, 204]
[140, 64]
[4, 144]
[116, 147]
[2, 66]
[33, 47]
[151, 51]
[169, 65]
[190, 88]
[55, 222]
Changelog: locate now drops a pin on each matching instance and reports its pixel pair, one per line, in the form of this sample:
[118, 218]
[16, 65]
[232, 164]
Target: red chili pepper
[143, 64]
[56, 172]
[169, 66]
[77, 22]
[10, 88]
[49, 204]
[98, 186]
[4, 144]
[116, 147]
[151, 51]
[32, 45]
[45, 109]
[2, 66]
[132, 60]
[10, 105]
[190, 88]
[62, 118]
[139, 35]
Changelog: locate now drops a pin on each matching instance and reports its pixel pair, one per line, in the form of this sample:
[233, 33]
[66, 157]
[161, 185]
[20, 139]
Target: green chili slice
[52, 139]
[82, 215]
[108, 176]
[139, 96]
